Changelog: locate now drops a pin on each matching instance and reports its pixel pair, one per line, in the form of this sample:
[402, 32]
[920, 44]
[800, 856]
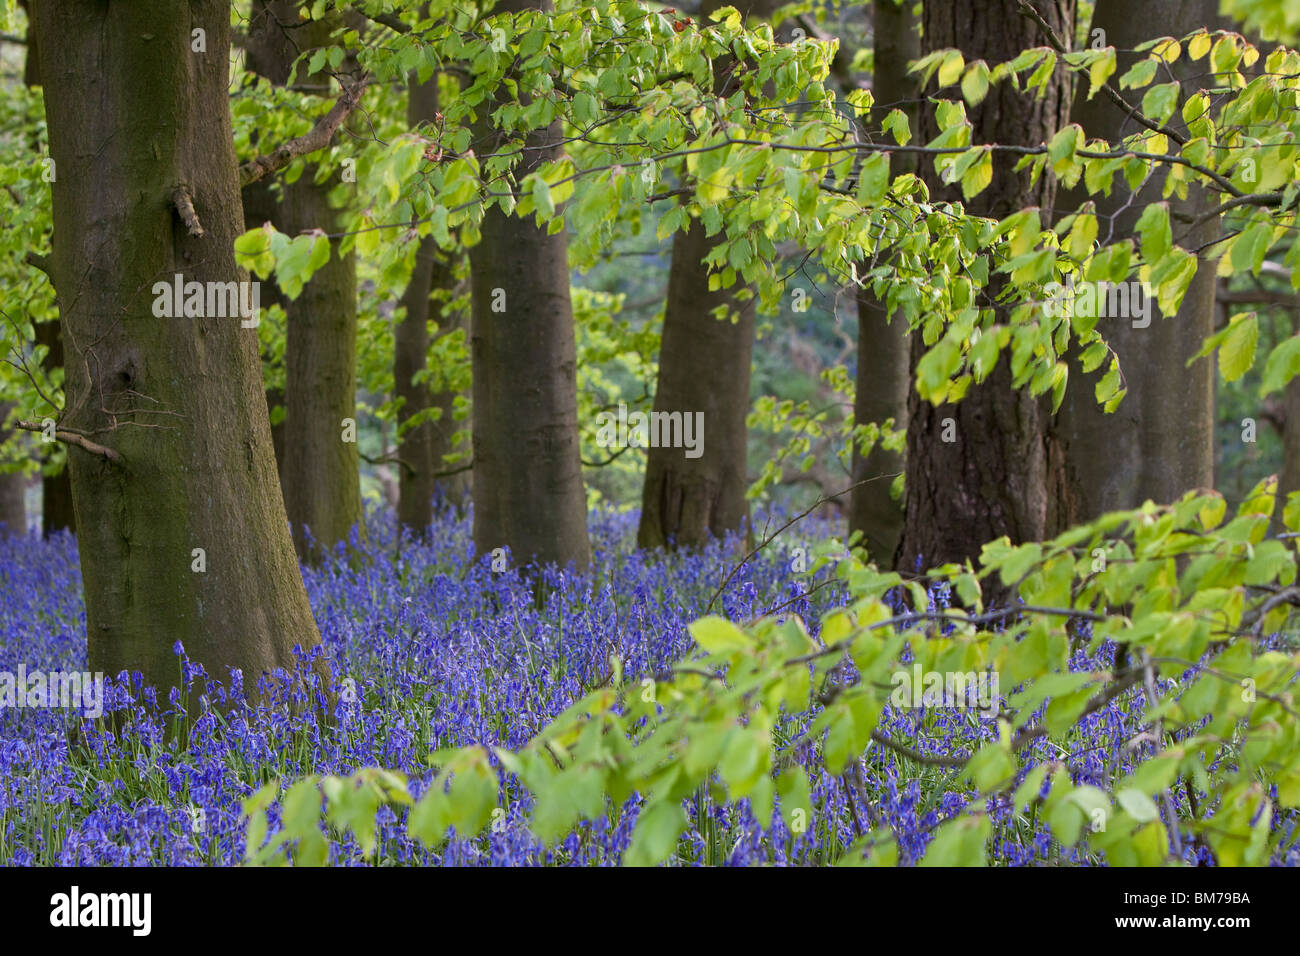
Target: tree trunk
[13, 490]
[1159, 441]
[883, 382]
[1289, 479]
[421, 449]
[992, 479]
[134, 116]
[704, 366]
[319, 464]
[260, 207]
[321, 473]
[528, 491]
[13, 504]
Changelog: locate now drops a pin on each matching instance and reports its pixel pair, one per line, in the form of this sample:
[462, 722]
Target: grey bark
[1159, 442]
[423, 447]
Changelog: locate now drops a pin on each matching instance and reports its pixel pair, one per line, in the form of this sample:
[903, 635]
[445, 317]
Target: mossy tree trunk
[135, 114]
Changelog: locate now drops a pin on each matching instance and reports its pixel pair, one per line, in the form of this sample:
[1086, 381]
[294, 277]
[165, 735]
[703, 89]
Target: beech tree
[978, 469]
[1159, 442]
[56, 486]
[528, 491]
[319, 462]
[704, 366]
[181, 526]
[424, 441]
[13, 488]
[883, 380]
[538, 162]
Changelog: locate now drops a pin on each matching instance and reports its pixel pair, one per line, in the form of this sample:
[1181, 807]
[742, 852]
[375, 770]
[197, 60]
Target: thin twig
[770, 538]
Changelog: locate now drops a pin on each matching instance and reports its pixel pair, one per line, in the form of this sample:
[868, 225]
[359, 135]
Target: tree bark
[992, 480]
[883, 381]
[260, 207]
[1159, 441]
[704, 366]
[13, 507]
[528, 491]
[57, 513]
[319, 462]
[421, 449]
[134, 116]
[1289, 478]
[13, 490]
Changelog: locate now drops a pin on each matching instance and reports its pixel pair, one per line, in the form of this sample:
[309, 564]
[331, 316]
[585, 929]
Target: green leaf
[655, 837]
[951, 68]
[978, 176]
[874, 181]
[896, 124]
[1153, 227]
[542, 201]
[1250, 248]
[1160, 101]
[717, 635]
[1237, 353]
[975, 83]
[959, 842]
[1138, 805]
[1282, 366]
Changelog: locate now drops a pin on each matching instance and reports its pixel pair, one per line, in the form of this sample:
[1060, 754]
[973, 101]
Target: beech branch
[318, 137]
[1111, 93]
[72, 438]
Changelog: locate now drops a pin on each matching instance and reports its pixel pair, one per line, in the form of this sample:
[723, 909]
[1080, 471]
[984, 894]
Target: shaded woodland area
[740, 433]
